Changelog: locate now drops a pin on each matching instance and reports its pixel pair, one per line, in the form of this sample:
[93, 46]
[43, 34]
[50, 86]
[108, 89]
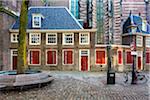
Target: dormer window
[36, 20]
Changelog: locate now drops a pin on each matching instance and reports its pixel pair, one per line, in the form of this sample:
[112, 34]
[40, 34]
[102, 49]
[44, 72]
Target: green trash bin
[111, 77]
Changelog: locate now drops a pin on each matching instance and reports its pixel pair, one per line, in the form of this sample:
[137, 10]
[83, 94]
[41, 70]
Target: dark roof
[54, 18]
[135, 21]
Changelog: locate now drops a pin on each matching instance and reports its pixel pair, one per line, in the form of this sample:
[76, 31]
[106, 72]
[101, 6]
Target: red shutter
[51, 57]
[100, 57]
[119, 57]
[129, 58]
[148, 57]
[69, 57]
[35, 57]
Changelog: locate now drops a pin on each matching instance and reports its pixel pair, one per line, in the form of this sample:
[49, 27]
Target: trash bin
[111, 77]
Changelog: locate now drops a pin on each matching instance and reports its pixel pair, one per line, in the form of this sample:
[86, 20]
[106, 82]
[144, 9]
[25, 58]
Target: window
[147, 57]
[147, 41]
[51, 38]
[14, 37]
[35, 38]
[84, 38]
[68, 38]
[34, 57]
[120, 58]
[129, 57]
[100, 57]
[36, 21]
[51, 57]
[139, 41]
[68, 57]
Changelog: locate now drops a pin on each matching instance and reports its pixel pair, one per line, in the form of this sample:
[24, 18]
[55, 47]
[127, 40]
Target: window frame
[105, 56]
[33, 24]
[16, 35]
[30, 39]
[63, 56]
[56, 58]
[47, 38]
[87, 39]
[30, 59]
[64, 43]
[141, 43]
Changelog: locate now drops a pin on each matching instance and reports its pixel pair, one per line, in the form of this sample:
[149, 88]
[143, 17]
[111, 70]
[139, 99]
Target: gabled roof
[54, 18]
[135, 21]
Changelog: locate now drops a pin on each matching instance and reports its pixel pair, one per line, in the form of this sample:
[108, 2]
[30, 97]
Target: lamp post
[133, 53]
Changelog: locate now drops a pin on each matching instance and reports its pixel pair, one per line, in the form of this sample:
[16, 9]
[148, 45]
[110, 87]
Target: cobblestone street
[82, 86]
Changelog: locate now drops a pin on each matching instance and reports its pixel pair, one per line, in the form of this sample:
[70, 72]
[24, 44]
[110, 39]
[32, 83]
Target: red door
[139, 63]
[14, 62]
[84, 63]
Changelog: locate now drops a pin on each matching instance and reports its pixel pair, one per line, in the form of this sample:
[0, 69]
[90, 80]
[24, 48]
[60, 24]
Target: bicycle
[140, 78]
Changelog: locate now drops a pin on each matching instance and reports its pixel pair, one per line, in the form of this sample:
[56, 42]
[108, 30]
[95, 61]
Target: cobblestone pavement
[82, 86]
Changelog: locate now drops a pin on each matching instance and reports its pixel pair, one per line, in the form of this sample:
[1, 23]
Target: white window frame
[47, 38]
[126, 57]
[80, 55]
[11, 58]
[64, 43]
[16, 37]
[88, 39]
[105, 56]
[141, 41]
[121, 55]
[39, 56]
[33, 24]
[56, 58]
[63, 56]
[30, 39]
[147, 42]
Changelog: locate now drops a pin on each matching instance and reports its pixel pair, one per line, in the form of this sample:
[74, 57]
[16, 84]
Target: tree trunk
[21, 60]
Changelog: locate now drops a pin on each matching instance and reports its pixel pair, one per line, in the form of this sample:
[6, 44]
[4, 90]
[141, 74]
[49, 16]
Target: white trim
[80, 58]
[63, 40]
[141, 41]
[56, 30]
[72, 56]
[11, 37]
[88, 39]
[30, 38]
[11, 57]
[36, 15]
[105, 56]
[126, 57]
[121, 55]
[145, 58]
[29, 56]
[47, 39]
[56, 57]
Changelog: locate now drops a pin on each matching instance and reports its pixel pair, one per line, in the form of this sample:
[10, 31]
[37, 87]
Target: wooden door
[84, 63]
[14, 62]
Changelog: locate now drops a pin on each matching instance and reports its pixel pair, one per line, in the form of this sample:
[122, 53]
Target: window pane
[52, 38]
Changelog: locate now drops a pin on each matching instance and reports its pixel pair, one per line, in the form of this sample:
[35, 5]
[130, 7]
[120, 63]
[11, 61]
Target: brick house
[56, 40]
[137, 30]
